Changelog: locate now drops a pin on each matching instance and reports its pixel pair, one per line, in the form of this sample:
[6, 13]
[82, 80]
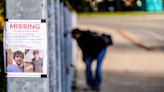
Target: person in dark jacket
[93, 47]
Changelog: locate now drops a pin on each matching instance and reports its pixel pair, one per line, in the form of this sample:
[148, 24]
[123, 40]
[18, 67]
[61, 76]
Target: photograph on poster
[15, 60]
[25, 61]
[34, 61]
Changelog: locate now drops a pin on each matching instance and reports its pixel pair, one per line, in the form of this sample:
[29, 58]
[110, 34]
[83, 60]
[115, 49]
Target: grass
[122, 13]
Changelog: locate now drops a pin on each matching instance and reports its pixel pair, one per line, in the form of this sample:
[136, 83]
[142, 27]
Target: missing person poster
[25, 47]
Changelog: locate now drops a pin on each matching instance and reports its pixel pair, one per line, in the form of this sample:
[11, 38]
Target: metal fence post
[26, 9]
[62, 47]
[67, 49]
[52, 45]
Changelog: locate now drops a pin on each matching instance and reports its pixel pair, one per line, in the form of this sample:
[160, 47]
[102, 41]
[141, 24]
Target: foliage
[106, 5]
[1, 14]
[80, 5]
[2, 76]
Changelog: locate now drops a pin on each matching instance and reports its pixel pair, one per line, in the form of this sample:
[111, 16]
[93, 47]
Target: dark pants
[94, 81]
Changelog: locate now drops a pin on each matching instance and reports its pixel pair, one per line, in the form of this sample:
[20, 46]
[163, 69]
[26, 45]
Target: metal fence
[60, 19]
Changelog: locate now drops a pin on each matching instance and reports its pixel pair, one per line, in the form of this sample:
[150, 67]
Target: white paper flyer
[25, 47]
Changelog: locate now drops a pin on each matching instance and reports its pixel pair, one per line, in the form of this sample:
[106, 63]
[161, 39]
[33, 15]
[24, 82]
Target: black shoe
[97, 89]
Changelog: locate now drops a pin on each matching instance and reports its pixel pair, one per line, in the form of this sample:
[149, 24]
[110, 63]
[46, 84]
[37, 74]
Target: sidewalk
[127, 67]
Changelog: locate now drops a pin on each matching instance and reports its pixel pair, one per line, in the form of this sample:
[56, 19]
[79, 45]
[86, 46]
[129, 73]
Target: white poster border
[28, 74]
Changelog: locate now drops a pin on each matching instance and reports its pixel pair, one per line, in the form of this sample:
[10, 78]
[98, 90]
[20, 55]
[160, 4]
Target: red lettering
[13, 26]
[24, 26]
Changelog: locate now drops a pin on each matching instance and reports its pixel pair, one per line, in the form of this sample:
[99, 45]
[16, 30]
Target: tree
[84, 5]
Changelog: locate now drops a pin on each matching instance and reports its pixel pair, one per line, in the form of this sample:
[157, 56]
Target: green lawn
[120, 13]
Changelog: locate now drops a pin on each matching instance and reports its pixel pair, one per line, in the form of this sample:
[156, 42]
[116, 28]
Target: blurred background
[2, 77]
[135, 62]
[116, 5]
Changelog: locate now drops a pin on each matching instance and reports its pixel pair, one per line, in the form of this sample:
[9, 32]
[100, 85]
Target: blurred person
[93, 47]
[37, 61]
[17, 66]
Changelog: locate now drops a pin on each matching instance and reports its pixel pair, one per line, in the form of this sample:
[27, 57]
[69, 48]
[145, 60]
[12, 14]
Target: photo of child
[17, 64]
